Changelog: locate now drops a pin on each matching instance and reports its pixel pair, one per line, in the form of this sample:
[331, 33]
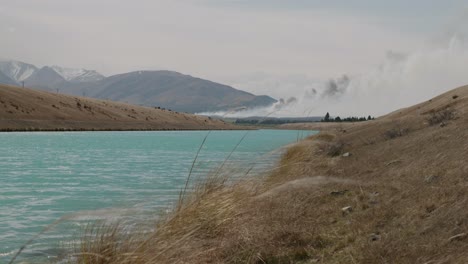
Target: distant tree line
[327, 118]
[272, 121]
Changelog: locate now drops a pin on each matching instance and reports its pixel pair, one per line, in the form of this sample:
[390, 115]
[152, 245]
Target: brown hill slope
[25, 109]
[393, 190]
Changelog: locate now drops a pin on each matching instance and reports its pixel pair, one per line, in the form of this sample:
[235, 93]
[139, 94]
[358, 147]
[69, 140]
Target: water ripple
[107, 176]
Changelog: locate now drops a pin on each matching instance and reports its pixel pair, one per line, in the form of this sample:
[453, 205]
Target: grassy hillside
[392, 190]
[30, 110]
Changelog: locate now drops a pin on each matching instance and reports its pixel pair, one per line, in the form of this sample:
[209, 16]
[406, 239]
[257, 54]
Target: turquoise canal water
[86, 176]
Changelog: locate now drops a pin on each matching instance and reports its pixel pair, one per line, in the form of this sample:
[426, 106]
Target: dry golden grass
[23, 109]
[392, 200]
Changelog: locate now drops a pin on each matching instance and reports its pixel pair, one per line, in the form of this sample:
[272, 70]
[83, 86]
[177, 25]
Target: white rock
[347, 209]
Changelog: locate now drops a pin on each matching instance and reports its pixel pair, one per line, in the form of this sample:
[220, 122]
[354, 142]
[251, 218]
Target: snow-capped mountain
[16, 70]
[20, 71]
[78, 75]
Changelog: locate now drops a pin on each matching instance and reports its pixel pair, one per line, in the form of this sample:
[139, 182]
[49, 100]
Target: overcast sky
[262, 46]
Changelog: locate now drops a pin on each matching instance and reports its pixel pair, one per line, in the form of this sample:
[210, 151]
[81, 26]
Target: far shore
[89, 126]
[8, 130]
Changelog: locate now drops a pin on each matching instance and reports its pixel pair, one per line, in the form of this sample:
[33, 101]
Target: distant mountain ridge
[78, 75]
[166, 89]
[20, 71]
[45, 78]
[171, 90]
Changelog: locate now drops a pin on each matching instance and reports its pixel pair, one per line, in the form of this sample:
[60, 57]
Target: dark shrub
[441, 116]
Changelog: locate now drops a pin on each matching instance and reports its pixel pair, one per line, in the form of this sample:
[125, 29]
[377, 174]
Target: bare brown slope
[405, 181]
[26, 109]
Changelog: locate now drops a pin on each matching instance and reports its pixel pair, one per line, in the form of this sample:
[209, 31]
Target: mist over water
[400, 80]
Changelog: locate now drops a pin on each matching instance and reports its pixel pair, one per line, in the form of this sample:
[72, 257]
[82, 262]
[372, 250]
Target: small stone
[347, 154]
[458, 237]
[346, 210]
[374, 237]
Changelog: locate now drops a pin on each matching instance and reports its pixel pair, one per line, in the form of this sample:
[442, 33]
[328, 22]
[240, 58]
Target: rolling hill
[23, 109]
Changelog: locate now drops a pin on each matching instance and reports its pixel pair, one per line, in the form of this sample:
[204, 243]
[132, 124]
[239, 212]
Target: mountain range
[20, 71]
[165, 89]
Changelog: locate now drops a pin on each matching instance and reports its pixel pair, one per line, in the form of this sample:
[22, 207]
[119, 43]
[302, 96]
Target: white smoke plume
[401, 80]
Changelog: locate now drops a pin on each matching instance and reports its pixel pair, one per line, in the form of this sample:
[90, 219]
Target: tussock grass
[101, 244]
[441, 116]
[326, 137]
[396, 132]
